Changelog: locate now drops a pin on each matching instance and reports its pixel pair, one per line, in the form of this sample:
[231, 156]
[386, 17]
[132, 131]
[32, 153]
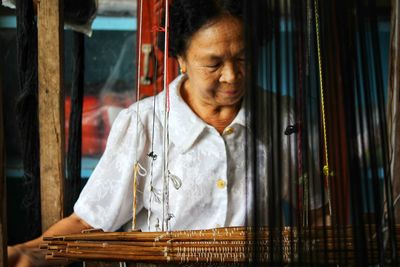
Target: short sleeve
[278, 156]
[106, 200]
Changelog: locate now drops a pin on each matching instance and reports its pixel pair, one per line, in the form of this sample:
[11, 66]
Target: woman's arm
[28, 253]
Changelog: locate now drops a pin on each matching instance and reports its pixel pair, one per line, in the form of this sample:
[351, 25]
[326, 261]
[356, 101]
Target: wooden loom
[231, 245]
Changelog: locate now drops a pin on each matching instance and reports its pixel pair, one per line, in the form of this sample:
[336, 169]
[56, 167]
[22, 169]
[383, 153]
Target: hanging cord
[27, 112]
[394, 100]
[305, 177]
[154, 194]
[326, 170]
[138, 170]
[166, 215]
[134, 206]
[136, 166]
[74, 155]
[299, 119]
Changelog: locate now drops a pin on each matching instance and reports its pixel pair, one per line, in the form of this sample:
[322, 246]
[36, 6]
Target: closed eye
[216, 65]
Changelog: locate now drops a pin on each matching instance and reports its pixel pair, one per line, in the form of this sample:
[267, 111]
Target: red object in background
[97, 117]
[151, 13]
[92, 133]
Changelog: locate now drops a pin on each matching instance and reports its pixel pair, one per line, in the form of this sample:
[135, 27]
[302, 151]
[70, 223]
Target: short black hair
[188, 16]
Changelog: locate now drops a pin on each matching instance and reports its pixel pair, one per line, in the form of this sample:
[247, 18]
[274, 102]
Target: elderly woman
[207, 128]
[206, 134]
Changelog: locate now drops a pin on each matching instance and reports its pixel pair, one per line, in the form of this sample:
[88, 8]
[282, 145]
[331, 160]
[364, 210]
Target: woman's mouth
[231, 92]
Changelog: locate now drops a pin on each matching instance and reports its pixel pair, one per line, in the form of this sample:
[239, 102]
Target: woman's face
[214, 63]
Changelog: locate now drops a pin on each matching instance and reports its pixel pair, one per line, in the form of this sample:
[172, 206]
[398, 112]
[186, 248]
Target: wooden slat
[51, 110]
[3, 216]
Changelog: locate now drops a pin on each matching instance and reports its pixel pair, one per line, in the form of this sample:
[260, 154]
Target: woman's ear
[182, 64]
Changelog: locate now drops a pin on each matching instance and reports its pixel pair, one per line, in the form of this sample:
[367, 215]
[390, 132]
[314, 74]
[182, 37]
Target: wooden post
[3, 216]
[51, 110]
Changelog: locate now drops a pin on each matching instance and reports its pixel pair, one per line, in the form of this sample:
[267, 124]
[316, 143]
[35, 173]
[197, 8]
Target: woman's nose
[230, 73]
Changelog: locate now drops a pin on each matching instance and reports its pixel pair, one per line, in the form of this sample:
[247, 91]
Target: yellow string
[326, 166]
[135, 174]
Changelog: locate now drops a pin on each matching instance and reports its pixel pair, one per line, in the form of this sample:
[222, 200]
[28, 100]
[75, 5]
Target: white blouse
[211, 167]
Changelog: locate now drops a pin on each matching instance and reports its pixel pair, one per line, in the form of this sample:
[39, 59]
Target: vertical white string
[165, 225]
[137, 119]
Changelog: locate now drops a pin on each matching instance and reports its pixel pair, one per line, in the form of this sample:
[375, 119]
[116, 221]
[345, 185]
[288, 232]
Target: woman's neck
[217, 116]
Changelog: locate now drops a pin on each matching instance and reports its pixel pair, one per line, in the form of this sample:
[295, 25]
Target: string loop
[157, 29]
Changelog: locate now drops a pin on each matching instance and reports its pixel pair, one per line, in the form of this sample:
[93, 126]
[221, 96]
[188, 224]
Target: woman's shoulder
[142, 109]
[153, 106]
[143, 104]
[137, 118]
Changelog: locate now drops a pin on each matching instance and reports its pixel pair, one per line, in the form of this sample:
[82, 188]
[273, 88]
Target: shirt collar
[185, 126]
[240, 118]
